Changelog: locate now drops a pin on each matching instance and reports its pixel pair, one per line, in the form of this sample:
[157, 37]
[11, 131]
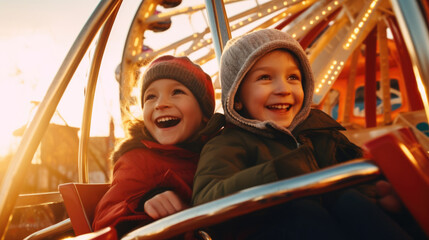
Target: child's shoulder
[317, 113]
[126, 146]
[314, 112]
[233, 135]
[317, 119]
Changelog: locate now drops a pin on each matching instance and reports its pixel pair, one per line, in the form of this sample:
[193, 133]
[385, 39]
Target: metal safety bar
[25, 200]
[12, 181]
[58, 228]
[257, 198]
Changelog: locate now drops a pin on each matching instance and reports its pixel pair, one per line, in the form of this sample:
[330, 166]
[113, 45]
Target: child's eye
[149, 97]
[293, 77]
[264, 77]
[178, 91]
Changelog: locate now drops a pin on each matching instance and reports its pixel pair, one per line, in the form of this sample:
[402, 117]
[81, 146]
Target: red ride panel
[406, 165]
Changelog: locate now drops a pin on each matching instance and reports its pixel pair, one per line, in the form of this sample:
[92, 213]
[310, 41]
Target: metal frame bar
[414, 100]
[315, 31]
[334, 46]
[370, 100]
[416, 36]
[288, 20]
[89, 97]
[12, 181]
[350, 96]
[259, 197]
[384, 72]
[25, 200]
[219, 25]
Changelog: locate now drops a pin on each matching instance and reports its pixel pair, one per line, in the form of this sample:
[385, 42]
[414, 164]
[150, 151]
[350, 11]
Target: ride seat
[80, 200]
[405, 163]
[361, 136]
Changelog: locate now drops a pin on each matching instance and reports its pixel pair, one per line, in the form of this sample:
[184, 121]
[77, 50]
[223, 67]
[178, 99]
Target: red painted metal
[411, 88]
[370, 79]
[288, 20]
[314, 33]
[406, 166]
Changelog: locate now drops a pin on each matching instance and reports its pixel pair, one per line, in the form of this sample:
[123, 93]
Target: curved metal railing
[260, 197]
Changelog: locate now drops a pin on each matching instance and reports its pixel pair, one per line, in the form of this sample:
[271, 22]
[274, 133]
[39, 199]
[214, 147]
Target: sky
[35, 37]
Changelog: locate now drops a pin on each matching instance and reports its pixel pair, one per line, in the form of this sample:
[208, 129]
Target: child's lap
[361, 218]
[351, 216]
[301, 219]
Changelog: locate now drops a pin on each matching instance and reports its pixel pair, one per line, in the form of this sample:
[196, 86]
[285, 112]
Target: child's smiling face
[171, 113]
[272, 89]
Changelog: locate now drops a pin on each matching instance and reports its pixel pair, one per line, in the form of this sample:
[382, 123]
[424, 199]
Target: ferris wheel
[185, 31]
[357, 50]
[333, 33]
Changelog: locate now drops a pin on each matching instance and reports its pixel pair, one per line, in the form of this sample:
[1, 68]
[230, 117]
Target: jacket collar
[157, 146]
[169, 150]
[318, 120]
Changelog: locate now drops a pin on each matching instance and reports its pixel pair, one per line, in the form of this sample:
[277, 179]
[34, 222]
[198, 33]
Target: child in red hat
[155, 166]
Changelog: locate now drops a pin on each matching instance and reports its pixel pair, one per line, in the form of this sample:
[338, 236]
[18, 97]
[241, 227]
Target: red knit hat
[187, 73]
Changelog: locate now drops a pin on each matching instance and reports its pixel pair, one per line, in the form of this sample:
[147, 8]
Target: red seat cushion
[80, 200]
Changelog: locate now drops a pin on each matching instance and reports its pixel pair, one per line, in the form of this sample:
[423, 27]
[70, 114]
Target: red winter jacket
[141, 173]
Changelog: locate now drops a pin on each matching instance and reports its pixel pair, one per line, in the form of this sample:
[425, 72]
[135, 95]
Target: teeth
[166, 122]
[166, 119]
[279, 106]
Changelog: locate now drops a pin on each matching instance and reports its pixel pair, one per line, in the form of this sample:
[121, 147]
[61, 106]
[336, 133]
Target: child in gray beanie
[272, 134]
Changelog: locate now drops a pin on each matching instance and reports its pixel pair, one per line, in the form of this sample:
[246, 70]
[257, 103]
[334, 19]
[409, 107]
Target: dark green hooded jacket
[238, 159]
[251, 152]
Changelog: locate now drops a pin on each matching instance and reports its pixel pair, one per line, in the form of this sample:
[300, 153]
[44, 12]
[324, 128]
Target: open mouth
[284, 107]
[166, 122]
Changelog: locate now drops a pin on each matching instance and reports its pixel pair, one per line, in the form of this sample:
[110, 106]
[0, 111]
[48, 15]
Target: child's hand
[163, 204]
[389, 200]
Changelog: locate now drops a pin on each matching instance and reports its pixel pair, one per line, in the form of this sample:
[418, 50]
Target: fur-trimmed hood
[138, 132]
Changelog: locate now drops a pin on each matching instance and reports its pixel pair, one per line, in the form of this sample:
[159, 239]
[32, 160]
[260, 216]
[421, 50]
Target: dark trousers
[351, 216]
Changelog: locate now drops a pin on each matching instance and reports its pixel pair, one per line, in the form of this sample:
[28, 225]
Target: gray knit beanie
[187, 73]
[238, 57]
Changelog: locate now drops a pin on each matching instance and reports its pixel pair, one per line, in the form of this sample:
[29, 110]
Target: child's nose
[282, 87]
[162, 103]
